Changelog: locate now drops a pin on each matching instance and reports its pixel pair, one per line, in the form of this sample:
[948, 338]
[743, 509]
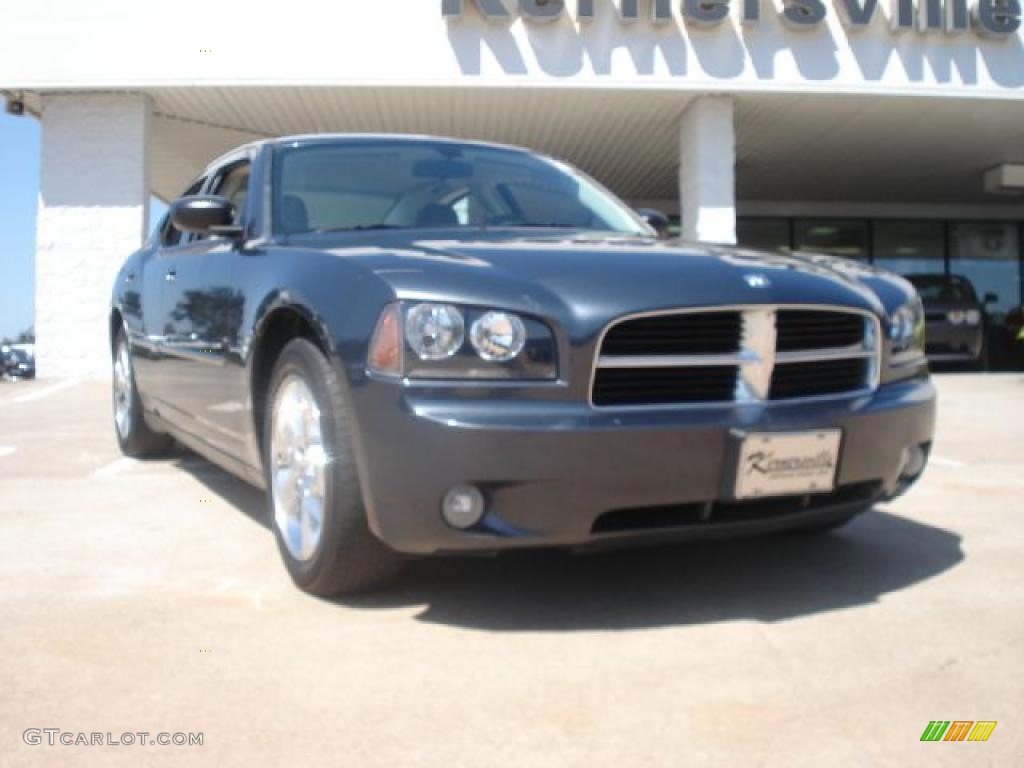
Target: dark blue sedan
[424, 346]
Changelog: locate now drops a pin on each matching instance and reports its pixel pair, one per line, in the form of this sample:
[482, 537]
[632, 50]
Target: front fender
[335, 298]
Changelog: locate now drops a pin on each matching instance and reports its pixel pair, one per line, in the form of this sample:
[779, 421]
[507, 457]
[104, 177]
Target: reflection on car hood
[598, 274]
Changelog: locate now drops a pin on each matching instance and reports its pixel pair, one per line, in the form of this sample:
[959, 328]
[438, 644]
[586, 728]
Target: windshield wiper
[357, 228]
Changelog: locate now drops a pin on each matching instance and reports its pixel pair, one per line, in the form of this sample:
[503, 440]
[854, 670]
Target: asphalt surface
[148, 597]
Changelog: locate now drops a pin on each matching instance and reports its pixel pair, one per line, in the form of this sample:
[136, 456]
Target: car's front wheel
[134, 436]
[983, 361]
[315, 501]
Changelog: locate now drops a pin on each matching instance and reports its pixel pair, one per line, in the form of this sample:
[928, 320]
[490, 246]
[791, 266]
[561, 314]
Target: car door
[153, 368]
[185, 307]
[215, 308]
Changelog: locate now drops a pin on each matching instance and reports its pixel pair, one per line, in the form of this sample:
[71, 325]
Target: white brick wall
[707, 163]
[93, 209]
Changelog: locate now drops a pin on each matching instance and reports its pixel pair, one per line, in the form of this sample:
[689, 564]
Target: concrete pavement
[148, 596]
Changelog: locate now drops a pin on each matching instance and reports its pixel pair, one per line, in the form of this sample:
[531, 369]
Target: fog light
[463, 506]
[913, 463]
[914, 459]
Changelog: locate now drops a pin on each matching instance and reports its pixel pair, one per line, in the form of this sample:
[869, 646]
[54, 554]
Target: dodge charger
[421, 346]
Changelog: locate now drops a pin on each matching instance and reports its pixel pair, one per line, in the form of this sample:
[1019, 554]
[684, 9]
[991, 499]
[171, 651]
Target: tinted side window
[170, 236]
[234, 185]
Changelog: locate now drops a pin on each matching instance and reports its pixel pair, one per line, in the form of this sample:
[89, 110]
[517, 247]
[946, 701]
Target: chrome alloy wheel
[298, 465]
[123, 390]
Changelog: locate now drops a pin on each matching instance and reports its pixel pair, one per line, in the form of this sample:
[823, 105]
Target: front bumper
[550, 470]
[946, 341]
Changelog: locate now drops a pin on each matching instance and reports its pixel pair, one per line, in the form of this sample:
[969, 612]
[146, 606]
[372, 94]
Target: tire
[984, 361]
[134, 436]
[309, 468]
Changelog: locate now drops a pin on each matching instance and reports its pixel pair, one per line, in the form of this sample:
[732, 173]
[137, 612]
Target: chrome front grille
[743, 354]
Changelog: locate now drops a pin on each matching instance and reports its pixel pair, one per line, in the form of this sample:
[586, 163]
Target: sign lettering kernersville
[985, 17]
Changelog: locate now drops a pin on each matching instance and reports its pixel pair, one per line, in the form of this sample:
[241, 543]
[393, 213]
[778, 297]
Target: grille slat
[635, 386]
[805, 329]
[722, 512]
[817, 378]
[694, 357]
[698, 334]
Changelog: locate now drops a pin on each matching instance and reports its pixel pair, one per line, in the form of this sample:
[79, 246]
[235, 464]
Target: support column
[93, 210]
[707, 161]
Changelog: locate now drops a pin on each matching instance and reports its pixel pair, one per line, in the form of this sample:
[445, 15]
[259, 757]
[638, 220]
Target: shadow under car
[768, 578]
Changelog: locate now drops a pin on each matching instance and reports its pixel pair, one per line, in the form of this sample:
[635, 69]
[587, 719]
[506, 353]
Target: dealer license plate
[783, 463]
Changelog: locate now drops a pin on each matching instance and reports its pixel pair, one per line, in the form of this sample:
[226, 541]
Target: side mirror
[657, 220]
[991, 298]
[205, 215]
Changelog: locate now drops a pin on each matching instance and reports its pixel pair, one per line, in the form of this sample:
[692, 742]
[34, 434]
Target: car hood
[593, 277]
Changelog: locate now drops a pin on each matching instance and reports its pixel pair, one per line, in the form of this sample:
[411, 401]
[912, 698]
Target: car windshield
[382, 184]
[943, 288]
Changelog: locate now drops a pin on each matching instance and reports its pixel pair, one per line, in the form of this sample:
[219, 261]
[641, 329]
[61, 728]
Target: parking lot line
[115, 467]
[45, 392]
[941, 462]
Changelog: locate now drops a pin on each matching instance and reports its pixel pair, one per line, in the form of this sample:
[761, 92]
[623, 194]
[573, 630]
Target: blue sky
[19, 188]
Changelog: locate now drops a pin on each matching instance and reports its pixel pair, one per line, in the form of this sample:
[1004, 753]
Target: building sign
[985, 17]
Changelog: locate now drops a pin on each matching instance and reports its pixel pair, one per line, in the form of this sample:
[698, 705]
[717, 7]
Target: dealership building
[890, 132]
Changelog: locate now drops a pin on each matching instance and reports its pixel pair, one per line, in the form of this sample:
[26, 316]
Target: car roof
[341, 138]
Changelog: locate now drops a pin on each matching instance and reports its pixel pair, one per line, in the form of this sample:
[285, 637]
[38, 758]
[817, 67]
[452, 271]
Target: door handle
[171, 276]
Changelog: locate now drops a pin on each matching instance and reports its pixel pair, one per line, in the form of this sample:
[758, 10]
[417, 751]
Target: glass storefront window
[675, 226]
[987, 254]
[840, 237]
[763, 234]
[910, 247]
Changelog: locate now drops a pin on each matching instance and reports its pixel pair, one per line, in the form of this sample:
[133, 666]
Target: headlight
[961, 316]
[498, 336]
[906, 330]
[431, 343]
[435, 331]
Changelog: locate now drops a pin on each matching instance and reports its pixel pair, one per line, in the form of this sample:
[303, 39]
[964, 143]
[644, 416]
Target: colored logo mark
[958, 730]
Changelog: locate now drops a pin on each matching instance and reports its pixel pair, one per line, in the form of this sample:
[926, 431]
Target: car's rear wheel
[315, 501]
[134, 436]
